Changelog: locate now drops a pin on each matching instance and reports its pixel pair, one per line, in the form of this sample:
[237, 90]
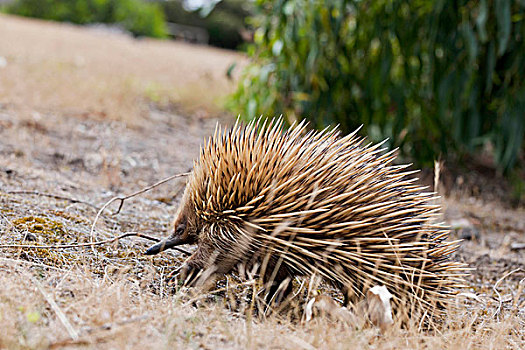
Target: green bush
[436, 77]
[223, 24]
[136, 16]
[141, 18]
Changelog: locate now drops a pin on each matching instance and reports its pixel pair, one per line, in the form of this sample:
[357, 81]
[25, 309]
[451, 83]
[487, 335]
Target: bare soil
[50, 66]
[58, 167]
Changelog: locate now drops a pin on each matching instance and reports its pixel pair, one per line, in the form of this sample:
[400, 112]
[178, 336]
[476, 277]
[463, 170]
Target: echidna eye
[180, 229]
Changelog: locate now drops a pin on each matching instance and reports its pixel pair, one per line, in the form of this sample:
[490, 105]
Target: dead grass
[74, 70]
[118, 312]
[68, 95]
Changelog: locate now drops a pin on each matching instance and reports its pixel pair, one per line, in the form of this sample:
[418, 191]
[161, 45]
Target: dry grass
[119, 298]
[117, 311]
[60, 67]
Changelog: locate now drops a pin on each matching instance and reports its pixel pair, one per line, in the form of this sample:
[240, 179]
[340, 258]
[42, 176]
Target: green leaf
[470, 39]
[436, 78]
[229, 71]
[481, 20]
[491, 64]
[252, 108]
[503, 20]
[277, 47]
[288, 8]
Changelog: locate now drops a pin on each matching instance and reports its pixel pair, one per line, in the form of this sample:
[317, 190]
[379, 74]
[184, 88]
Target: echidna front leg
[188, 274]
[200, 269]
[349, 294]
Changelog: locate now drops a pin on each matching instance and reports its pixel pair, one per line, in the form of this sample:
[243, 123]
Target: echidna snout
[298, 203]
[184, 232]
[166, 244]
[179, 237]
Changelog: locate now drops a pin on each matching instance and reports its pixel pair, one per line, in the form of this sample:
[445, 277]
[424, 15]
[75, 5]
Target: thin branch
[90, 244]
[521, 284]
[51, 195]
[61, 316]
[495, 288]
[123, 198]
[145, 189]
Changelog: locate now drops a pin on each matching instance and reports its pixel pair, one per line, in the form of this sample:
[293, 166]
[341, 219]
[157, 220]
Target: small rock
[469, 233]
[517, 246]
[460, 223]
[8, 172]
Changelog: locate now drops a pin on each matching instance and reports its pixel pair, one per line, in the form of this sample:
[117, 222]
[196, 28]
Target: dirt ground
[58, 166]
[96, 72]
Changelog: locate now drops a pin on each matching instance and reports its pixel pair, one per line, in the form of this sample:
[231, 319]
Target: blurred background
[442, 80]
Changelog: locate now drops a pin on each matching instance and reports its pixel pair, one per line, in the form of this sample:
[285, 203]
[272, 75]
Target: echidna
[313, 202]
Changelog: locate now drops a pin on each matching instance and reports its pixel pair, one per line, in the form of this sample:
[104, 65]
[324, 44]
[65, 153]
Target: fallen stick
[61, 316]
[90, 244]
[495, 288]
[123, 198]
[51, 195]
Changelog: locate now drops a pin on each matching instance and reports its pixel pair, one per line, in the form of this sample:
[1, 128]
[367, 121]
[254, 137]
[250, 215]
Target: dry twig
[123, 198]
[90, 244]
[521, 284]
[51, 195]
[437, 172]
[61, 316]
[495, 288]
